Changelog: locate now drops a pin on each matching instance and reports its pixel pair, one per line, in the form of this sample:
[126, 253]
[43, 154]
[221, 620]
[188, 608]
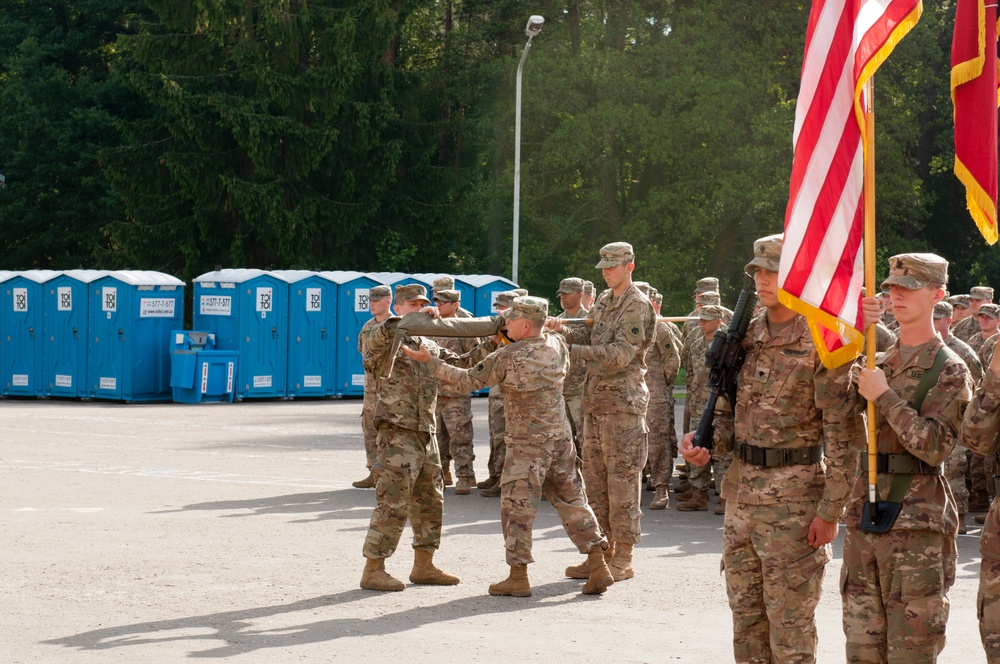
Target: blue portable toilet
[247, 310]
[23, 320]
[311, 333]
[67, 317]
[132, 313]
[487, 288]
[394, 279]
[4, 276]
[468, 290]
[352, 313]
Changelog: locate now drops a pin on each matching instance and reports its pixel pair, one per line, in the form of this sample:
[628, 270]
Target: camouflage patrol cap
[506, 298]
[990, 309]
[917, 270]
[519, 292]
[708, 298]
[658, 298]
[444, 283]
[943, 310]
[570, 285]
[379, 292]
[961, 301]
[411, 292]
[447, 295]
[535, 309]
[588, 288]
[643, 287]
[706, 284]
[766, 254]
[981, 293]
[711, 312]
[614, 254]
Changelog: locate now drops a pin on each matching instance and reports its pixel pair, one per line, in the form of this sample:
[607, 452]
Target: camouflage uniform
[540, 453]
[408, 468]
[369, 399]
[895, 584]
[614, 403]
[663, 363]
[697, 397]
[454, 417]
[980, 429]
[956, 468]
[786, 400]
[573, 392]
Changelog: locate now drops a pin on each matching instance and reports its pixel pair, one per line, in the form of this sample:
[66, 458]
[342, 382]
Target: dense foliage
[334, 134]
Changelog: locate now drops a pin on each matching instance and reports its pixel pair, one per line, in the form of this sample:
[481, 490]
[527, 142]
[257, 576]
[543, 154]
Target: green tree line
[178, 135]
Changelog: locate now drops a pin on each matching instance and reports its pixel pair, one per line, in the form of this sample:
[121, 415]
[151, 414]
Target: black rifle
[724, 359]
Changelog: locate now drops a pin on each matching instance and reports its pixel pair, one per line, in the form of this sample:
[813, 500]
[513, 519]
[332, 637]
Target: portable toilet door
[23, 317]
[67, 306]
[4, 276]
[312, 302]
[468, 290]
[487, 288]
[132, 313]
[352, 313]
[247, 309]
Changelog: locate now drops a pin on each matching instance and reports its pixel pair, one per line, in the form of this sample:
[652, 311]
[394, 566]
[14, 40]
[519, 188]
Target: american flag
[821, 269]
[974, 94]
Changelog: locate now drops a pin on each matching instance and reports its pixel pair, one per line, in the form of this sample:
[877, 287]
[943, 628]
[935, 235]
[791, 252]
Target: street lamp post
[532, 29]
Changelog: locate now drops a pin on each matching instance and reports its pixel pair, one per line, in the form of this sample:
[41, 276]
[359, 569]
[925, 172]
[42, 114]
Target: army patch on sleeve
[635, 331]
[483, 369]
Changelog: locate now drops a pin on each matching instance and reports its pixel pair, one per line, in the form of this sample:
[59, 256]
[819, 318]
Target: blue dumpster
[132, 313]
[67, 315]
[311, 333]
[247, 310]
[487, 288]
[352, 314]
[22, 317]
[198, 372]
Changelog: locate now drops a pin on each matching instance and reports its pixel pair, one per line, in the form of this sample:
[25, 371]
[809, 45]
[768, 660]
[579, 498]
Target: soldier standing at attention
[570, 296]
[783, 503]
[969, 327]
[540, 453]
[454, 408]
[380, 305]
[662, 363]
[981, 433]
[408, 470]
[895, 583]
[614, 404]
[957, 467]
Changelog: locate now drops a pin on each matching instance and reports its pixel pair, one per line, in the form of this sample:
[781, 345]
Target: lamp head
[534, 26]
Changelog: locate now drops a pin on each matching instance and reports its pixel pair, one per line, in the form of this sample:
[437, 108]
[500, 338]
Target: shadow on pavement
[238, 634]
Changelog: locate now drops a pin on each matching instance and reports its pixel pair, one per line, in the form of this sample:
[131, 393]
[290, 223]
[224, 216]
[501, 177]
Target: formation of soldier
[581, 414]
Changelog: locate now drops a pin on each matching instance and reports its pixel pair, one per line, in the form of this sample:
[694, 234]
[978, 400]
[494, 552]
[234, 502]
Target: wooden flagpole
[869, 240]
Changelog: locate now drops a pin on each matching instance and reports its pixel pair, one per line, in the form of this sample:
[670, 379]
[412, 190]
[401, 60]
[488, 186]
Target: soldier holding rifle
[784, 496]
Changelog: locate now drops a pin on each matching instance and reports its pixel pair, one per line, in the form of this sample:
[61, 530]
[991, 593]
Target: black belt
[900, 463]
[776, 457]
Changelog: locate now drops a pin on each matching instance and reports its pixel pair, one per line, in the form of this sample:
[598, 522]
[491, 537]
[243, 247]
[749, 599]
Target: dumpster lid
[38, 276]
[145, 278]
[235, 275]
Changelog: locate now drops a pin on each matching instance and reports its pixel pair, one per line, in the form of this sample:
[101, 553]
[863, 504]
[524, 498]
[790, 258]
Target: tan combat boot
[660, 499]
[600, 575]
[488, 483]
[621, 564]
[962, 528]
[376, 578]
[721, 507]
[515, 585]
[491, 492]
[426, 574]
[683, 487]
[463, 487]
[446, 473]
[698, 502]
[582, 571]
[367, 483]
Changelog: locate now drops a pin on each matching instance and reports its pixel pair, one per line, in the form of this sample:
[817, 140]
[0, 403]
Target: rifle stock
[725, 359]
